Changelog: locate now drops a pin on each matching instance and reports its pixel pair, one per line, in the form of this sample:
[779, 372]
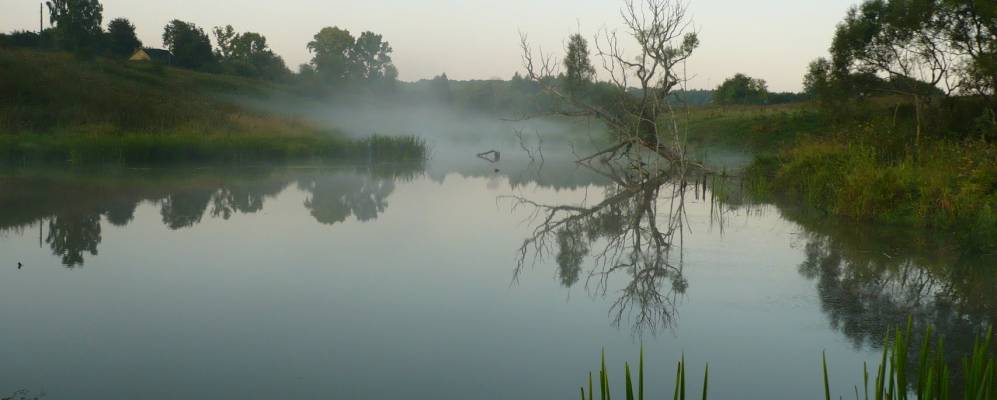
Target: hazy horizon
[772, 40]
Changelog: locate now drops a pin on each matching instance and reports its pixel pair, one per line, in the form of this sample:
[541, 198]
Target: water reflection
[334, 198]
[633, 233]
[628, 244]
[625, 243]
[72, 235]
[870, 279]
[71, 206]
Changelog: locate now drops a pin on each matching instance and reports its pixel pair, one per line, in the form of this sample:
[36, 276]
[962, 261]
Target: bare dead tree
[661, 30]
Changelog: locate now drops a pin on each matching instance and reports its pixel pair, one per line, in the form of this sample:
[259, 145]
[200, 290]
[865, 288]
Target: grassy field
[761, 129]
[54, 107]
[863, 165]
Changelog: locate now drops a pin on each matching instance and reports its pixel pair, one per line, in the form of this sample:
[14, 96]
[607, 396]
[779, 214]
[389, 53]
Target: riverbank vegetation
[901, 128]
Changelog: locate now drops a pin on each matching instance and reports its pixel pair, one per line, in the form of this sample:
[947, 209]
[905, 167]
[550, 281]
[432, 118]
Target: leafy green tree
[971, 30]
[223, 38]
[248, 54]
[817, 81]
[898, 38]
[371, 58]
[78, 23]
[921, 47]
[46, 39]
[331, 50]
[252, 49]
[579, 71]
[189, 44]
[121, 39]
[741, 89]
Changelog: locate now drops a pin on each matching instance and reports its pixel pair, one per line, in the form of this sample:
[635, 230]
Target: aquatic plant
[932, 375]
[605, 393]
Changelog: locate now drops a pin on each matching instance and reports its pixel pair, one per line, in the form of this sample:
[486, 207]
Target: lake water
[378, 282]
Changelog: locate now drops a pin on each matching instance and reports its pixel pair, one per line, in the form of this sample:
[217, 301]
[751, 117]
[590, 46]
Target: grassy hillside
[55, 107]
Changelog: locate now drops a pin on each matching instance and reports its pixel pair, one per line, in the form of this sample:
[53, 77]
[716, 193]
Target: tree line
[940, 55]
[338, 58]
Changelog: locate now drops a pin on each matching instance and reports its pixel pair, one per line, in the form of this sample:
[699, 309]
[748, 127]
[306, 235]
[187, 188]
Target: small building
[152, 55]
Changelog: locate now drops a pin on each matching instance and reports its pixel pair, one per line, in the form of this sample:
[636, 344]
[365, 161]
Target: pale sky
[478, 39]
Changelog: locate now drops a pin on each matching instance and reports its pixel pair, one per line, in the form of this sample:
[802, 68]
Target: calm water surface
[385, 282]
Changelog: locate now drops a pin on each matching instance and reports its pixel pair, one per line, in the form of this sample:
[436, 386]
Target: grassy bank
[54, 107]
[863, 164]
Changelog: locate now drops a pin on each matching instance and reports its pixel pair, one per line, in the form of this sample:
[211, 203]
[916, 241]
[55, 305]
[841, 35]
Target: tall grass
[932, 374]
[605, 392]
[950, 185]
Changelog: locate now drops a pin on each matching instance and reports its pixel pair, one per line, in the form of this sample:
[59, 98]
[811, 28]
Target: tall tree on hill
[579, 71]
[339, 57]
[371, 58]
[223, 38]
[189, 44]
[78, 23]
[251, 48]
[121, 39]
[248, 54]
[331, 50]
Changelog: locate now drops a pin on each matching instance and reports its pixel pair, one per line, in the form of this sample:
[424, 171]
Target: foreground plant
[605, 392]
[933, 374]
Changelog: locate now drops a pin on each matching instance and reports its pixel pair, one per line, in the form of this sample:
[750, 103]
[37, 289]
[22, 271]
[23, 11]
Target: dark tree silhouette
[190, 46]
[71, 235]
[78, 23]
[121, 39]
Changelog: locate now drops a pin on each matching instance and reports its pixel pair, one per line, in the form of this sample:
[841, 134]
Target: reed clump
[632, 392]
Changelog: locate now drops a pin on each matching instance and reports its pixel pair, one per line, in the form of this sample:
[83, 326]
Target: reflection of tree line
[870, 279]
[71, 208]
[555, 172]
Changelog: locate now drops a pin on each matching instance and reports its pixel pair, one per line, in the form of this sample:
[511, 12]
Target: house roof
[156, 55]
[159, 54]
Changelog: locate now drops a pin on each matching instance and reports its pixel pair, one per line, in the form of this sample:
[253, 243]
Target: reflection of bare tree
[630, 232]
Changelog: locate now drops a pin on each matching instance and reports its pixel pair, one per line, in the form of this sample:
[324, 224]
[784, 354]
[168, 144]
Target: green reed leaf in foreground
[827, 384]
[604, 387]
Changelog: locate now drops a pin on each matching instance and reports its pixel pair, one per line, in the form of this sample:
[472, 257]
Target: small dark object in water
[19, 265]
[496, 170]
[491, 156]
